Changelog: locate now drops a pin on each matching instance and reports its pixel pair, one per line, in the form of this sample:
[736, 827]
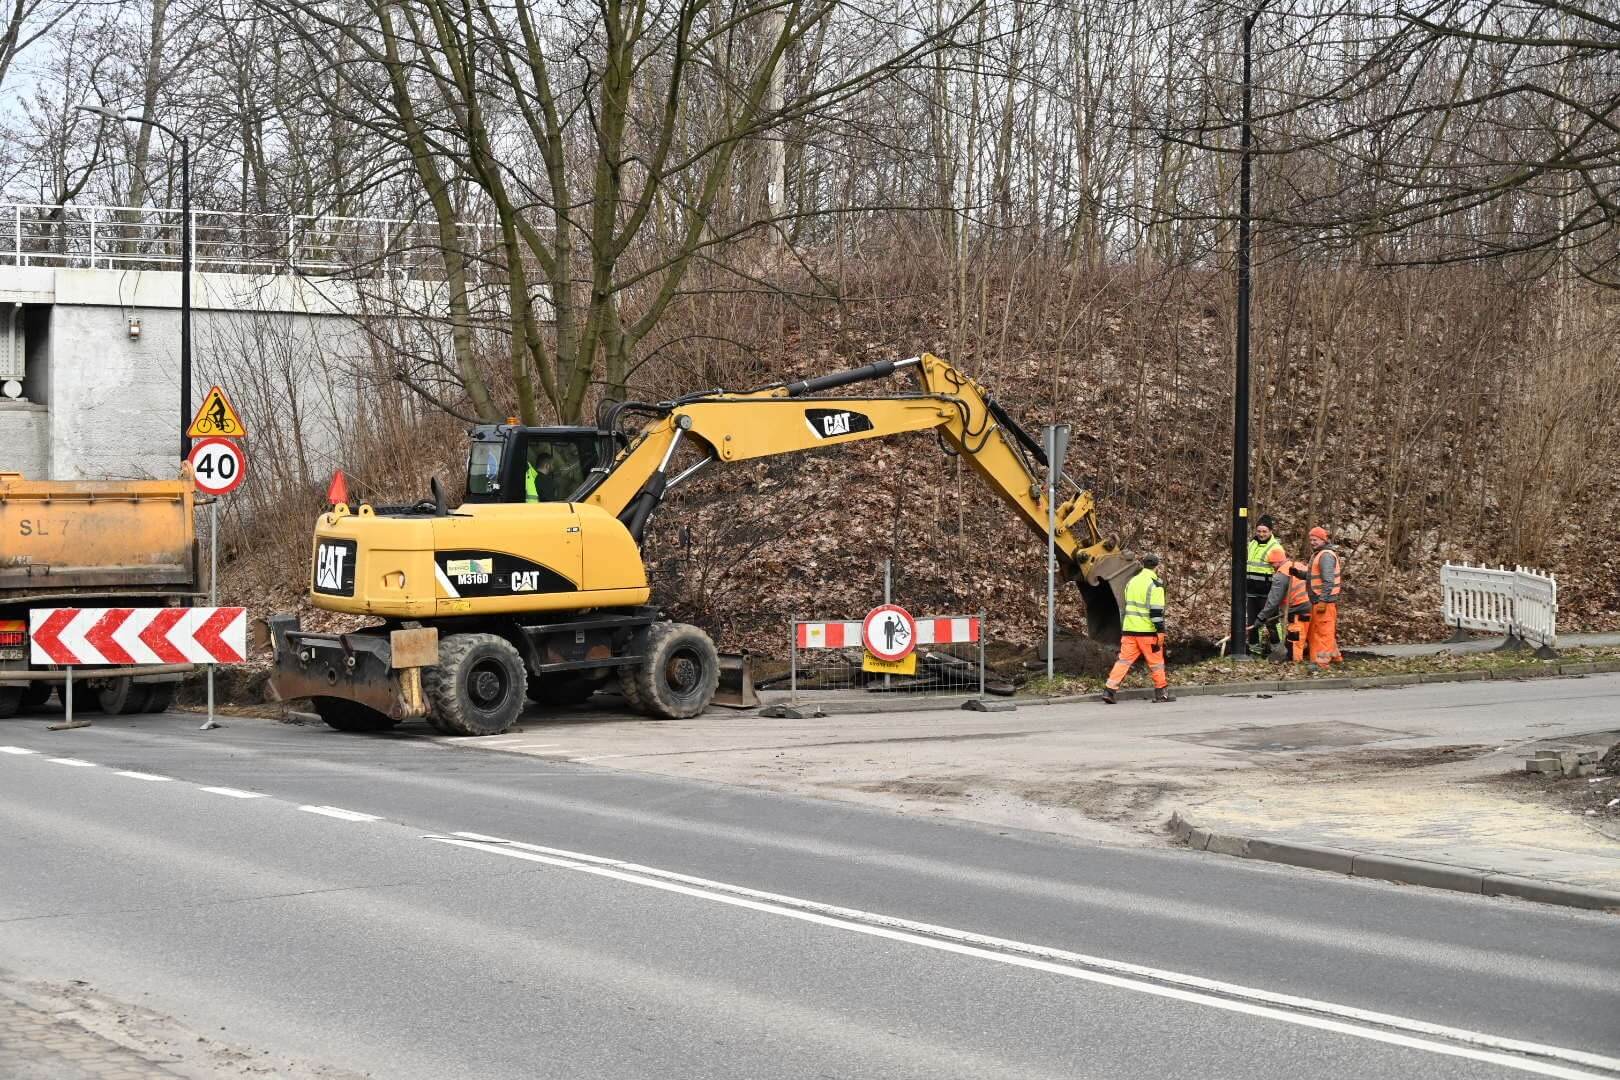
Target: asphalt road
[338, 918]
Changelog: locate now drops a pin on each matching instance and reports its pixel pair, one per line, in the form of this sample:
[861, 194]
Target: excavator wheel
[677, 675]
[348, 715]
[478, 686]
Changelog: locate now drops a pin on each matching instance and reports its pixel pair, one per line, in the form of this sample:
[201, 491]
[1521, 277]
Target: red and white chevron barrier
[128, 636]
[938, 630]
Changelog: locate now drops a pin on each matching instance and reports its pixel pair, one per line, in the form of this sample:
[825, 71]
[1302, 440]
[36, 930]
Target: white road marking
[133, 775]
[235, 793]
[1158, 982]
[72, 761]
[602, 757]
[339, 813]
[16, 750]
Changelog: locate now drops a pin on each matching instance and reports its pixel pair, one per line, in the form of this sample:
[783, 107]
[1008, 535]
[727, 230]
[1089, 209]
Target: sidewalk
[1484, 644]
[1427, 772]
[35, 1045]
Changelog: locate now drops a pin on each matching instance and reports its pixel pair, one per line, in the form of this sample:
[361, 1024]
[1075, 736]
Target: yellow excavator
[535, 586]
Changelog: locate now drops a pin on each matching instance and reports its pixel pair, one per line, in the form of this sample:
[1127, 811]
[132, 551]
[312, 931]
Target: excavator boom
[788, 417]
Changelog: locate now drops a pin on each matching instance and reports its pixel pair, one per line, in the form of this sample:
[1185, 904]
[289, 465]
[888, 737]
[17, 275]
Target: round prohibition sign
[889, 632]
[218, 465]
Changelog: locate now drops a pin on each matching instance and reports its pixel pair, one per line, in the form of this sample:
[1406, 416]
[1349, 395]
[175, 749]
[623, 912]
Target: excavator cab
[509, 463]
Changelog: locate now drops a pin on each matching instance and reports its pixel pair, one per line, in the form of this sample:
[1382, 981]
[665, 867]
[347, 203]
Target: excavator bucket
[736, 689]
[1103, 591]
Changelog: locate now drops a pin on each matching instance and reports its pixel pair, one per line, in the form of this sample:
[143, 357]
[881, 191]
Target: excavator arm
[788, 418]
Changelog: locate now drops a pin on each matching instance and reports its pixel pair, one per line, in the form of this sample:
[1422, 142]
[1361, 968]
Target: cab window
[484, 469]
[556, 469]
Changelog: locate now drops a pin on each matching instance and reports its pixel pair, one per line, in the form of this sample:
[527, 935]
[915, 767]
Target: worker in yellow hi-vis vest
[1141, 632]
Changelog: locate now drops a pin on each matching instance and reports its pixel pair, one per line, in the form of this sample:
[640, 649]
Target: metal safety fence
[1521, 603]
[827, 656]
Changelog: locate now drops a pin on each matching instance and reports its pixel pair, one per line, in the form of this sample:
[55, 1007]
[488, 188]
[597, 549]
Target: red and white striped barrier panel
[129, 636]
[936, 630]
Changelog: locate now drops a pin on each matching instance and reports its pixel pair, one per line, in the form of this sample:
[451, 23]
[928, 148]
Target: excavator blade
[736, 689]
[1103, 590]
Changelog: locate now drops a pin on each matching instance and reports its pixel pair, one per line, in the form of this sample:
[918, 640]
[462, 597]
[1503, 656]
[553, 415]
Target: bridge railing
[148, 238]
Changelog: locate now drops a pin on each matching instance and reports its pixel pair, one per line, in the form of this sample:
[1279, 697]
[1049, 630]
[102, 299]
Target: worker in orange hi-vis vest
[1289, 594]
[1325, 580]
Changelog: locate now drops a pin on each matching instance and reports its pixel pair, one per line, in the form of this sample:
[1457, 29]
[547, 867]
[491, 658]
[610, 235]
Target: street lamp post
[185, 259]
[1238, 645]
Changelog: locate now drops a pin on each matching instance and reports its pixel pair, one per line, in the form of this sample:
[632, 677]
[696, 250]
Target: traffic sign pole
[213, 594]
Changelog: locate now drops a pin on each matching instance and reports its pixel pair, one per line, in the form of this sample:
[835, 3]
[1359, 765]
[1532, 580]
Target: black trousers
[1254, 603]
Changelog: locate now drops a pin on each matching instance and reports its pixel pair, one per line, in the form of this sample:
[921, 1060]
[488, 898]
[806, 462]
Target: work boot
[1162, 694]
[1108, 695]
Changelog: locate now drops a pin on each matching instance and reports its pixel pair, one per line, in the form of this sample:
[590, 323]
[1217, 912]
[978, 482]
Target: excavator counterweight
[535, 584]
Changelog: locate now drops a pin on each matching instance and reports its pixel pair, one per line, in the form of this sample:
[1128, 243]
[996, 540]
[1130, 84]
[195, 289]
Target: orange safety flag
[338, 490]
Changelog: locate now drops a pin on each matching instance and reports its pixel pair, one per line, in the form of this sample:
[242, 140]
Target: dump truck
[534, 586]
[92, 544]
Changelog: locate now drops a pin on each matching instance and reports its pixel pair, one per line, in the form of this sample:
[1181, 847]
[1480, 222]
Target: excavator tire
[348, 715]
[563, 689]
[478, 686]
[124, 697]
[678, 673]
[35, 695]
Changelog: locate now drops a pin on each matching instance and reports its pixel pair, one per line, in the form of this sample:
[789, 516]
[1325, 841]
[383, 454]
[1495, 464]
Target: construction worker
[1266, 557]
[537, 482]
[1290, 594]
[1141, 632]
[1323, 585]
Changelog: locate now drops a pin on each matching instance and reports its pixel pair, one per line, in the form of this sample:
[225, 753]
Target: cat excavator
[535, 585]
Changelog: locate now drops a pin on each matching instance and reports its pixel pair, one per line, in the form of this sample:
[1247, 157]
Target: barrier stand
[1521, 604]
[67, 723]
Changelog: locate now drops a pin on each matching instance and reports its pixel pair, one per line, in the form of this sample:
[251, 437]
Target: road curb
[1434, 875]
[1259, 686]
[1359, 682]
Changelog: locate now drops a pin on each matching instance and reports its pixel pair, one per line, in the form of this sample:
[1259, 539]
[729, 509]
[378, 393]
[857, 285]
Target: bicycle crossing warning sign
[217, 418]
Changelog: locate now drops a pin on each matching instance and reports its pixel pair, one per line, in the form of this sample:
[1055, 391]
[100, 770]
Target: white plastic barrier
[1520, 603]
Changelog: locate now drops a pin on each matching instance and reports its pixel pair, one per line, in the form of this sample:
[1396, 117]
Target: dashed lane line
[16, 750]
[1536, 1058]
[233, 793]
[133, 775]
[339, 813]
[72, 761]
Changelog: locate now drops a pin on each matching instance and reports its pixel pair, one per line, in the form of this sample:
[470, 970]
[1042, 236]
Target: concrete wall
[105, 405]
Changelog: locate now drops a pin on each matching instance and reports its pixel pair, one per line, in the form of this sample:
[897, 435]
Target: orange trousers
[1299, 630]
[1148, 647]
[1323, 643]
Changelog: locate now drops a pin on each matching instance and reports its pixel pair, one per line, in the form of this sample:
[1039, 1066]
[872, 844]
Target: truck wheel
[10, 701]
[351, 715]
[35, 695]
[162, 697]
[477, 687]
[563, 689]
[124, 696]
[677, 675]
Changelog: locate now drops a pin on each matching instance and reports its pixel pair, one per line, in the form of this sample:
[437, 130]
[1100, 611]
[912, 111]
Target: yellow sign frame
[217, 418]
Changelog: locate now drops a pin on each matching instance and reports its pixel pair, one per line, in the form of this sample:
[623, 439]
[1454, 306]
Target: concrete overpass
[286, 311]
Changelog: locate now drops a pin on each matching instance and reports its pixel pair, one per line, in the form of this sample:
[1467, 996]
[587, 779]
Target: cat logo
[525, 580]
[334, 567]
[831, 423]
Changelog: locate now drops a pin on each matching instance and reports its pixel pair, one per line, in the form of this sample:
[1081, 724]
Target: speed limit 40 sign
[218, 465]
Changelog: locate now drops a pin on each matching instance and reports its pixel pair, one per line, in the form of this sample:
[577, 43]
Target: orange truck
[93, 544]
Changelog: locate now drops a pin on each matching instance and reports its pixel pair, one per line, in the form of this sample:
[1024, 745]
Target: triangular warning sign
[217, 417]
